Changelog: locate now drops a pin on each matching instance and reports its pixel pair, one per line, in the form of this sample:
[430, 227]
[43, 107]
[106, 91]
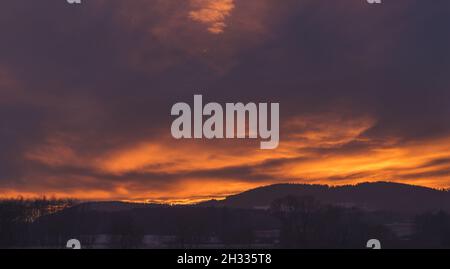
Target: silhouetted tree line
[127, 233]
[306, 223]
[302, 222]
[432, 230]
[17, 215]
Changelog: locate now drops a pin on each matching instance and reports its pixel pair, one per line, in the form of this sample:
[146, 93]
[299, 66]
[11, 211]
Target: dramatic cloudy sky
[86, 92]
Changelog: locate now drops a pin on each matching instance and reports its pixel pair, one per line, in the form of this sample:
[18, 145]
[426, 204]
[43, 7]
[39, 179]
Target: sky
[86, 92]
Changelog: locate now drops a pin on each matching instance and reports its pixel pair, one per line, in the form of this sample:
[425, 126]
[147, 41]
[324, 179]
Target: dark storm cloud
[105, 74]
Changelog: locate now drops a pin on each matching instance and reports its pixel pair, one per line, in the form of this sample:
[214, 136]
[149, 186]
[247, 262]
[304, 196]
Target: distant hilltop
[378, 196]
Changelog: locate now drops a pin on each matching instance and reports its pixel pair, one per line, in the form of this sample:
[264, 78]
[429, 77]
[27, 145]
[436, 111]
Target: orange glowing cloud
[212, 13]
[315, 149]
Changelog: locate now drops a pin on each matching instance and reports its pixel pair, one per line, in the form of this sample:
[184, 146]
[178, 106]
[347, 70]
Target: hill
[378, 196]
